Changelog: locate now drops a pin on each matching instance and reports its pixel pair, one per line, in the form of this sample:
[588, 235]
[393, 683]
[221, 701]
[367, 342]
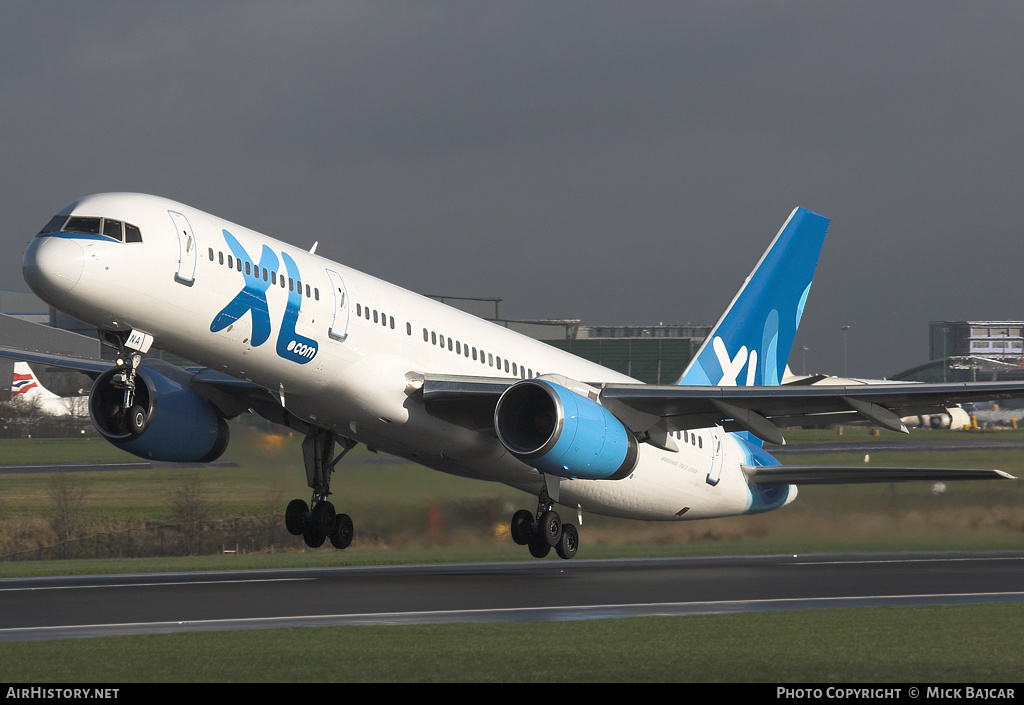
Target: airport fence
[238, 535]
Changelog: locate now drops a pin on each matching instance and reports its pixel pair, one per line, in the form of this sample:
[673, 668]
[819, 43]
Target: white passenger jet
[346, 358]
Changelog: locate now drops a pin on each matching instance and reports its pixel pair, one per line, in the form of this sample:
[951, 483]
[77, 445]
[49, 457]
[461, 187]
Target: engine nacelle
[179, 425]
[563, 433]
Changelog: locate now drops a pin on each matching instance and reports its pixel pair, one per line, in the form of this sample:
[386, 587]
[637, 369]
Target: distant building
[971, 351]
[655, 354]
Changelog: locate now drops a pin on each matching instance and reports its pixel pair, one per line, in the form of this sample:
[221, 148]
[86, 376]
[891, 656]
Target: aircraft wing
[230, 395]
[761, 410]
[93, 368]
[851, 474]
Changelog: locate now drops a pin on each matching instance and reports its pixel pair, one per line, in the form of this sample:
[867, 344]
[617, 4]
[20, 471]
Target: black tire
[521, 527]
[341, 536]
[550, 527]
[321, 519]
[539, 546]
[136, 420]
[296, 516]
[313, 539]
[569, 542]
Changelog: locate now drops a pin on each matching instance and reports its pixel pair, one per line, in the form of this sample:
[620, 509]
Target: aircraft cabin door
[339, 324]
[186, 273]
[716, 458]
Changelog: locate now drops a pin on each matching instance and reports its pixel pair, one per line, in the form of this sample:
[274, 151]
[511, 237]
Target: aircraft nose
[52, 265]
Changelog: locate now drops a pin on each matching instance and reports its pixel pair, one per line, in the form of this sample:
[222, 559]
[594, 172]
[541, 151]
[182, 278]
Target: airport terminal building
[959, 351]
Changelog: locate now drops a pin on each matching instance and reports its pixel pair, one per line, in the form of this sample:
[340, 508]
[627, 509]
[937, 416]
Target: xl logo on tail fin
[731, 367]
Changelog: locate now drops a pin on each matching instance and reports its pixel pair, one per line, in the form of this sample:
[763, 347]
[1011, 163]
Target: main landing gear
[544, 530]
[322, 522]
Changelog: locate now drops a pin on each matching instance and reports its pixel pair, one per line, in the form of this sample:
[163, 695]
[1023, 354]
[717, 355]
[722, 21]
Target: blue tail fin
[750, 345]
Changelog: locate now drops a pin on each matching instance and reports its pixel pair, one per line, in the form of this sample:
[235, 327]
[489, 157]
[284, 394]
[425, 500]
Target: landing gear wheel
[322, 518]
[568, 542]
[313, 539]
[341, 535]
[136, 420]
[550, 527]
[296, 516]
[520, 529]
[539, 547]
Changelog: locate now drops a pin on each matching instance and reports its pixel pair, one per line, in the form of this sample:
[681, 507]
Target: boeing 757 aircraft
[345, 358]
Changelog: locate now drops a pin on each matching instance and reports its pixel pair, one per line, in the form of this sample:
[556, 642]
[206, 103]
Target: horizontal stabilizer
[854, 474]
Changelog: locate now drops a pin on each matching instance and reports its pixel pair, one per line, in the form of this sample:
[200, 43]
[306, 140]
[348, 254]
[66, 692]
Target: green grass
[388, 501]
[973, 644]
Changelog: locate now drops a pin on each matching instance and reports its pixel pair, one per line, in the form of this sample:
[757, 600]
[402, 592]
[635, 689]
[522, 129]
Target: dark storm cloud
[619, 163]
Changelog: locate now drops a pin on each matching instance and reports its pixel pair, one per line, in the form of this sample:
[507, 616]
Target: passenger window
[220, 257]
[231, 262]
[266, 274]
[408, 328]
[359, 310]
[316, 294]
[211, 254]
[307, 291]
[133, 234]
[248, 269]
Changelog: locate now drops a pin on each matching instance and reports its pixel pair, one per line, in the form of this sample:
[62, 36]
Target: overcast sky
[616, 162]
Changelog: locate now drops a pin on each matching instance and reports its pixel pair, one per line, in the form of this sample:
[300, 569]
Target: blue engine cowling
[180, 426]
[563, 433]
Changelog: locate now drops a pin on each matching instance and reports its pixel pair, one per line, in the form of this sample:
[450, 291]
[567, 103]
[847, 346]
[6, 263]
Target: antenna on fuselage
[312, 250]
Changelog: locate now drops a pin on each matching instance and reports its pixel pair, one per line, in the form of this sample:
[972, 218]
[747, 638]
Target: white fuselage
[342, 356]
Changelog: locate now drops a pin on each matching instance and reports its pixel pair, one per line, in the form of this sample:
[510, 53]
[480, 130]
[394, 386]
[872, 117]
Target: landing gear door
[186, 273]
[339, 325]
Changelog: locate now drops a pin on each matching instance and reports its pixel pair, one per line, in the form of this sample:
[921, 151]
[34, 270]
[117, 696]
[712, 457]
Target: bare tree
[67, 493]
[20, 417]
[76, 407]
[190, 508]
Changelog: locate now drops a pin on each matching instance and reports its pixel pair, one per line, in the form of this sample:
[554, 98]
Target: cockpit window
[113, 229]
[79, 224]
[88, 225]
[54, 225]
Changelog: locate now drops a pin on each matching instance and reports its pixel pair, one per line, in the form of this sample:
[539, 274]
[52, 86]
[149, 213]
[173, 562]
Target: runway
[548, 590]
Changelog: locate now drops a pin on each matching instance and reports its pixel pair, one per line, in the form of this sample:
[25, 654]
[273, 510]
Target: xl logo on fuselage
[252, 299]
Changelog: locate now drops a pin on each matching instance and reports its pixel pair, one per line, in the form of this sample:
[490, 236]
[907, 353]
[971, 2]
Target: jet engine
[563, 433]
[167, 420]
